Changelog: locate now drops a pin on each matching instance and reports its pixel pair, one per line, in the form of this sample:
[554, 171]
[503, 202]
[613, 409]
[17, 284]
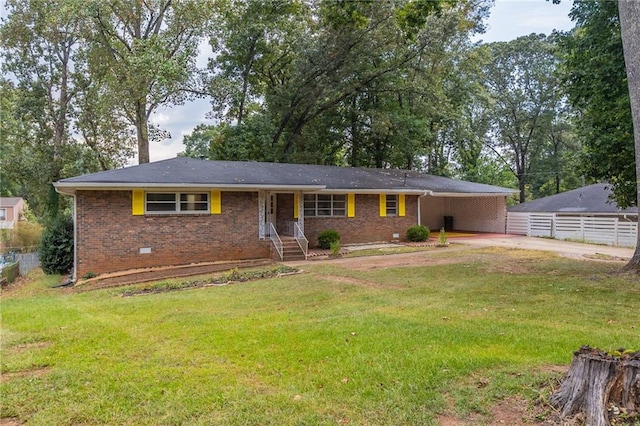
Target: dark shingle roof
[588, 199]
[183, 171]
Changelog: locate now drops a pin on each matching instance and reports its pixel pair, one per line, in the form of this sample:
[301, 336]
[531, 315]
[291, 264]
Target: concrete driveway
[567, 248]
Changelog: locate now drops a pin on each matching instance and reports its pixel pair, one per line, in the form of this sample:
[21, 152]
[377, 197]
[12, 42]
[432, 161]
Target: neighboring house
[10, 211]
[186, 210]
[583, 214]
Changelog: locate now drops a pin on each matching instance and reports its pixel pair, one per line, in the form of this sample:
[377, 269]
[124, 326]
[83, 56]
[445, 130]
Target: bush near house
[418, 233]
[326, 238]
[56, 246]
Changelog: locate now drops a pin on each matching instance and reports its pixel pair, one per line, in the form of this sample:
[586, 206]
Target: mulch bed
[155, 274]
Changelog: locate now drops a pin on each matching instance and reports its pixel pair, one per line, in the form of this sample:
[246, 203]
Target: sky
[509, 20]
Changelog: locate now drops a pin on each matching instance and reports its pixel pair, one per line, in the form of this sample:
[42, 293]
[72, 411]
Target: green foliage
[360, 83]
[522, 82]
[145, 54]
[442, 237]
[56, 119]
[335, 248]
[56, 246]
[327, 237]
[595, 79]
[418, 233]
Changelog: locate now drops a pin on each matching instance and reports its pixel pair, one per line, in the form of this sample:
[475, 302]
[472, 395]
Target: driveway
[566, 248]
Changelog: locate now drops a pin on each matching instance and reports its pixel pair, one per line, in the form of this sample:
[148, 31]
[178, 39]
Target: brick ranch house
[185, 210]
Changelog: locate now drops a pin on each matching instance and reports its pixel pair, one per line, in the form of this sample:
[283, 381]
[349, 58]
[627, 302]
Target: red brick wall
[110, 237]
[367, 225]
[284, 211]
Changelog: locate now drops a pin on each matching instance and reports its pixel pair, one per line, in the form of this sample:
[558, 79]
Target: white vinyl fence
[601, 230]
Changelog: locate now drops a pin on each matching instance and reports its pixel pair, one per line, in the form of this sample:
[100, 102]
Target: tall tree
[596, 82]
[557, 168]
[337, 82]
[58, 112]
[146, 51]
[522, 81]
[630, 29]
[39, 40]
[253, 41]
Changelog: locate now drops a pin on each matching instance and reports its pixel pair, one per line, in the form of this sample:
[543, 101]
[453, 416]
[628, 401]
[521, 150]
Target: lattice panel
[479, 208]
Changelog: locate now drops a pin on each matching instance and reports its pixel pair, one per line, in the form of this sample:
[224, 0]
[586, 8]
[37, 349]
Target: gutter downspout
[74, 278]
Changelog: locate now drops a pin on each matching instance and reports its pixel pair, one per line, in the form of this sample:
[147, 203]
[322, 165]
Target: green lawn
[333, 345]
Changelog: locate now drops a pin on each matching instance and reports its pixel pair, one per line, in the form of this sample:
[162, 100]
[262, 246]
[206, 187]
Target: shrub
[442, 239]
[56, 246]
[327, 237]
[418, 233]
[335, 248]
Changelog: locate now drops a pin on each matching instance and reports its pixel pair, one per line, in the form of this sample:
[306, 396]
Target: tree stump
[599, 386]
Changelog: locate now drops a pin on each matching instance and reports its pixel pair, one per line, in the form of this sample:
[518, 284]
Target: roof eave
[69, 188]
[409, 191]
[472, 194]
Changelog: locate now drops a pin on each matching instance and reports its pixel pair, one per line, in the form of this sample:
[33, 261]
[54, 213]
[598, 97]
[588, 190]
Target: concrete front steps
[290, 250]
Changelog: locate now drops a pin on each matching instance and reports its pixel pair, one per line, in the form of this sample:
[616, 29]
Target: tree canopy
[396, 84]
[356, 83]
[595, 80]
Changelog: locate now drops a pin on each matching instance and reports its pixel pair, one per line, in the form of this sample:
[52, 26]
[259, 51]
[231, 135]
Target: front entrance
[279, 209]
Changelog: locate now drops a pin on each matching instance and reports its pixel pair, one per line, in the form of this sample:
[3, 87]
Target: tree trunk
[522, 189]
[598, 382]
[142, 130]
[629, 12]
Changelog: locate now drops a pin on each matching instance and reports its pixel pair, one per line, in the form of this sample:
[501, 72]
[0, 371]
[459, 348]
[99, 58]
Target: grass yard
[452, 334]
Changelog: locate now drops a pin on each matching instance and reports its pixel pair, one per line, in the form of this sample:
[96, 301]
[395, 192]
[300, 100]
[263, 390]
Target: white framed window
[176, 202]
[325, 205]
[3, 214]
[392, 204]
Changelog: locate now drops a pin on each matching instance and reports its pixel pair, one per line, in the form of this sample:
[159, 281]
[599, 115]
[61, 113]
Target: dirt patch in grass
[417, 258]
[27, 346]
[512, 411]
[604, 257]
[358, 282]
[31, 372]
[515, 410]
